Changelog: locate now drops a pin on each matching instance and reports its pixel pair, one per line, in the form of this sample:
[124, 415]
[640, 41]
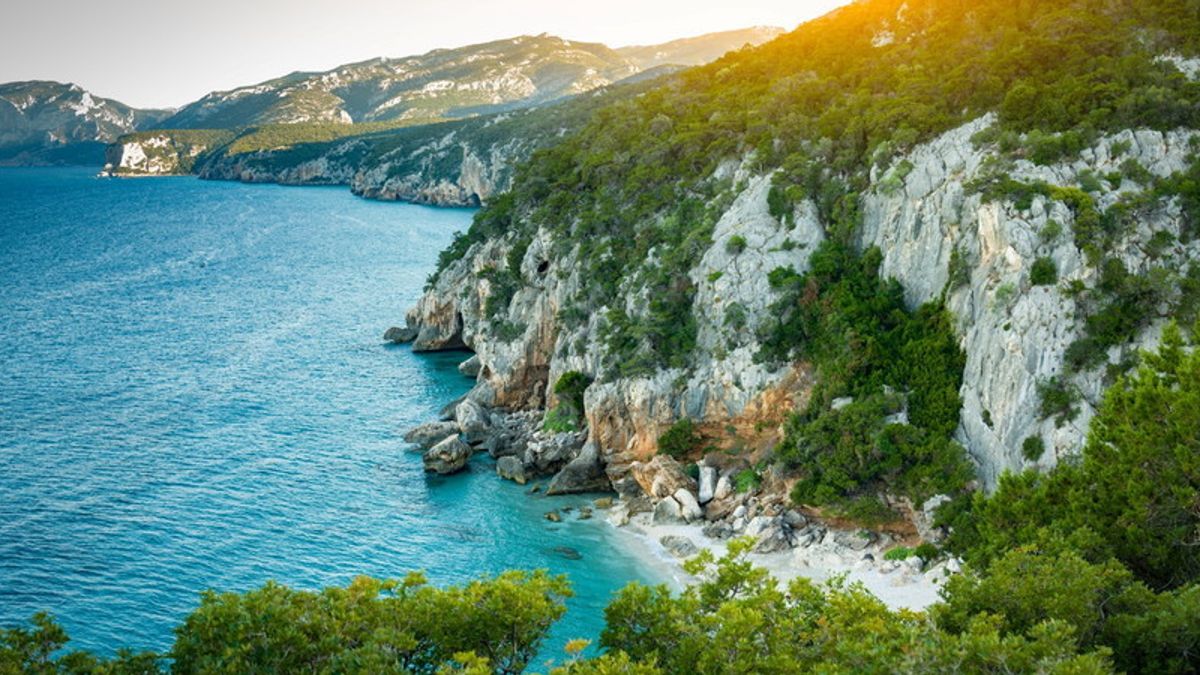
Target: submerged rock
[449, 456]
[567, 552]
[427, 435]
[553, 517]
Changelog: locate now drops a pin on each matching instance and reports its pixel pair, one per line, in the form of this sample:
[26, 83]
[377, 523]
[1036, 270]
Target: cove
[194, 395]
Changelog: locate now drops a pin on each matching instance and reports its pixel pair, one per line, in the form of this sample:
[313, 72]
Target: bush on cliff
[854, 328]
[1133, 493]
[680, 438]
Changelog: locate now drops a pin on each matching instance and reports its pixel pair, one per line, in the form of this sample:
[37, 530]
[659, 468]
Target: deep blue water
[194, 394]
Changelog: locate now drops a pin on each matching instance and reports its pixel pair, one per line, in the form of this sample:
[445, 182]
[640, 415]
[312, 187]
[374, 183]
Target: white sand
[898, 588]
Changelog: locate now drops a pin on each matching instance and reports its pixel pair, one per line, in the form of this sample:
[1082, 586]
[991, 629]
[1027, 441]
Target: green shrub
[1033, 448]
[1044, 272]
[746, 480]
[680, 438]
[736, 244]
[1003, 296]
[571, 386]
[958, 271]
[1051, 231]
[898, 553]
[1058, 399]
[927, 551]
[561, 419]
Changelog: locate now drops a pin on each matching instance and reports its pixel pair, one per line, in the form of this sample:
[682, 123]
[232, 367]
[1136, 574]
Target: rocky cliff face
[443, 168]
[157, 153]
[919, 213]
[54, 123]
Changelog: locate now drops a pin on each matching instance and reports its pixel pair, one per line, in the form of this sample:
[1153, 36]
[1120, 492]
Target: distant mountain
[697, 51]
[449, 83]
[54, 123]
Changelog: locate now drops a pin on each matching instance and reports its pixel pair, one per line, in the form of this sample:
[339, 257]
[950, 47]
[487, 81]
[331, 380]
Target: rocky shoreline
[669, 515]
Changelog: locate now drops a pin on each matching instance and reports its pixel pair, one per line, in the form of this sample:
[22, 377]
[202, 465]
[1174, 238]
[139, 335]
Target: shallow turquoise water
[194, 394]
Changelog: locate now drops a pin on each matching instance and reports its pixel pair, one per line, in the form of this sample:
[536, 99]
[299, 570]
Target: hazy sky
[170, 52]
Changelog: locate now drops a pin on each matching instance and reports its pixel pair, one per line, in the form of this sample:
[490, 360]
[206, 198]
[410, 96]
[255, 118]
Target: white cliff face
[152, 154]
[1011, 343]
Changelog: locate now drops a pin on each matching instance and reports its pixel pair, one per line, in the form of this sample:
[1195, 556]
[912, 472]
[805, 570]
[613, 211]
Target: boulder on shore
[585, 473]
[680, 547]
[666, 511]
[400, 336]
[427, 435]
[449, 456]
[689, 508]
[473, 421]
[708, 484]
[661, 477]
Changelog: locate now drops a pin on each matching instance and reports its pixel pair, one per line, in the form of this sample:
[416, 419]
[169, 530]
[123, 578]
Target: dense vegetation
[897, 375]
[632, 192]
[1091, 568]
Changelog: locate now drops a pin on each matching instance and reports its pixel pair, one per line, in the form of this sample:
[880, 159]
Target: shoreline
[896, 584]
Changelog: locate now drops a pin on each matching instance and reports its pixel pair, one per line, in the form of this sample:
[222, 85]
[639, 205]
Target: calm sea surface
[194, 394]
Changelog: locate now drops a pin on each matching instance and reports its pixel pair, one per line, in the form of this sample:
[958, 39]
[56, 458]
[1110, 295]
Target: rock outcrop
[447, 457]
[918, 222]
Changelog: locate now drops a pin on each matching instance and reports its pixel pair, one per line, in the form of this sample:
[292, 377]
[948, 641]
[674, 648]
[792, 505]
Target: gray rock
[717, 531]
[473, 421]
[772, 539]
[923, 519]
[427, 435]
[708, 484]
[585, 473]
[619, 515]
[399, 335]
[449, 456]
[471, 366]
[680, 547]
[666, 511]
[689, 508]
[794, 519]
[511, 468]
[548, 454]
[854, 540]
[446, 414]
[759, 524]
[842, 402]
[662, 476]
[724, 488]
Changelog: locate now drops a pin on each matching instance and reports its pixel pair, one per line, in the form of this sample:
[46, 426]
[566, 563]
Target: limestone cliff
[919, 213]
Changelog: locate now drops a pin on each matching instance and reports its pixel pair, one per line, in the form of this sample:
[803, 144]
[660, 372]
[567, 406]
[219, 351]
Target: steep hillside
[54, 123]
[459, 163]
[446, 83]
[699, 50]
[837, 262]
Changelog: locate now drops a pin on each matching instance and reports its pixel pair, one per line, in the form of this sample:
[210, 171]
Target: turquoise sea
[194, 394]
